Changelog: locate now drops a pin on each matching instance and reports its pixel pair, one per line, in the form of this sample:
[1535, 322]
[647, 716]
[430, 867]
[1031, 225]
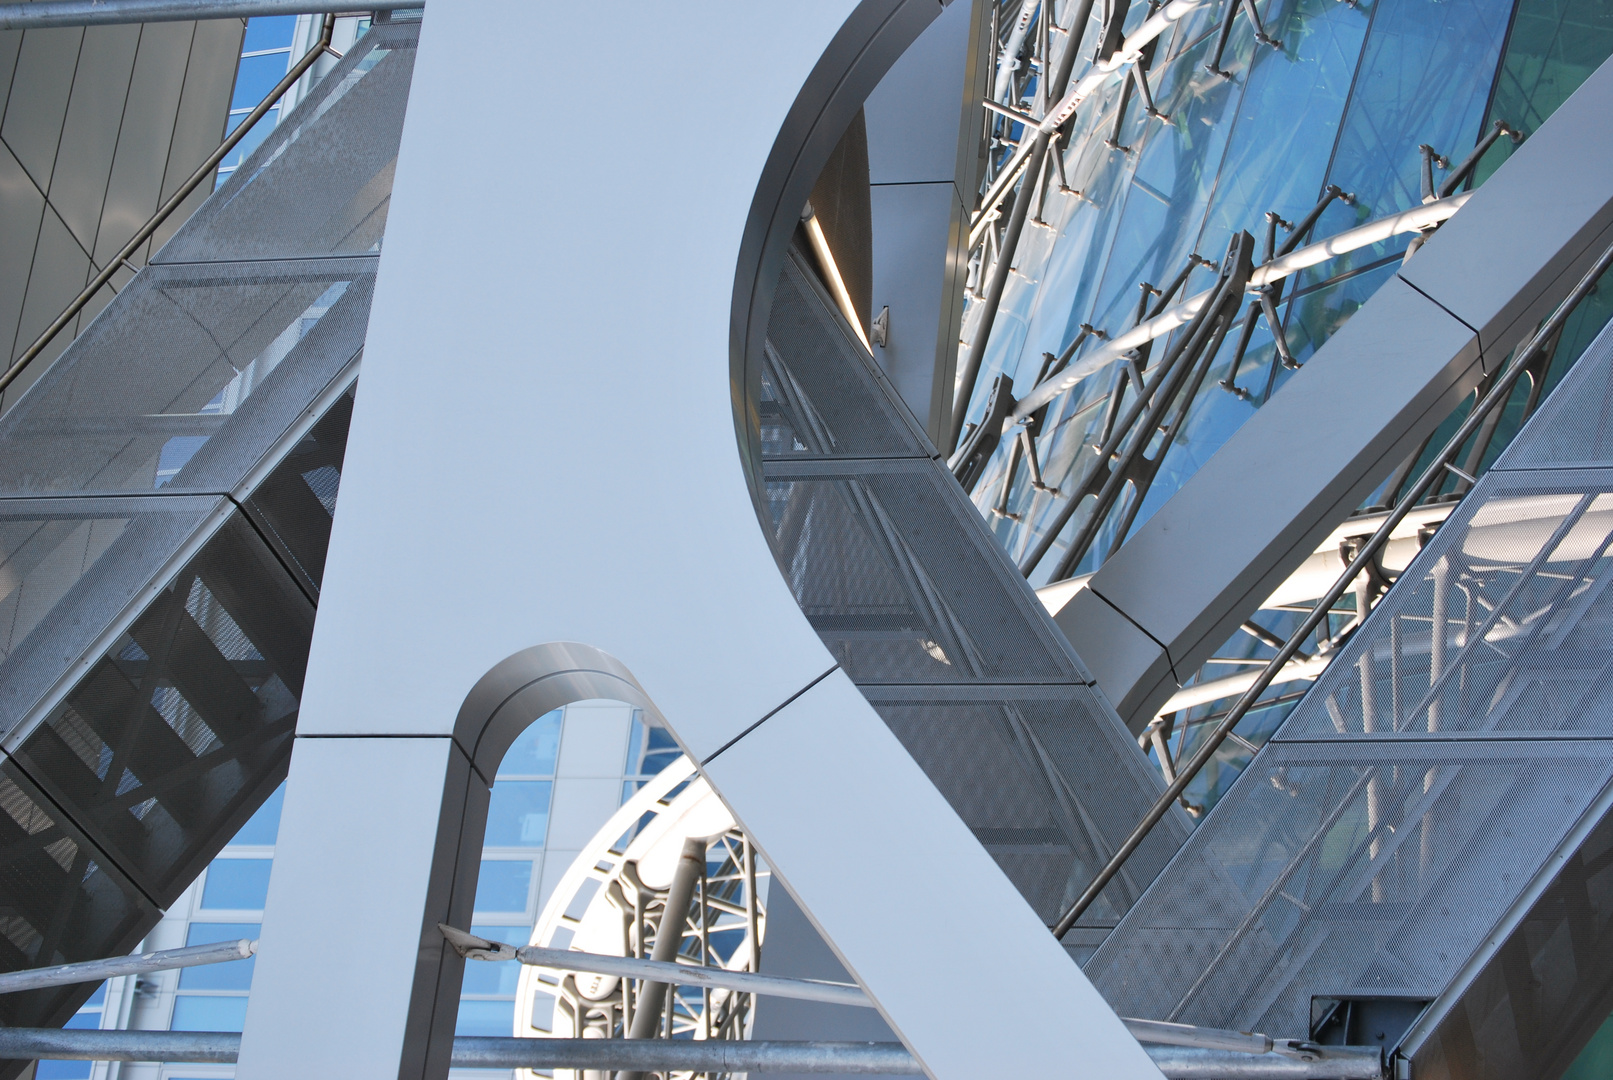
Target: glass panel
[1425, 77]
[230, 975]
[321, 183]
[1553, 47]
[486, 977]
[519, 814]
[182, 728]
[187, 378]
[263, 827]
[485, 1018]
[237, 884]
[194, 1012]
[269, 32]
[63, 1070]
[503, 885]
[1287, 121]
[256, 77]
[534, 750]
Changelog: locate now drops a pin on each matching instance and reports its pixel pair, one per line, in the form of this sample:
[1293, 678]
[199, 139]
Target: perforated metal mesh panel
[187, 379]
[1042, 778]
[153, 634]
[1420, 788]
[922, 609]
[1502, 624]
[1345, 869]
[1575, 425]
[321, 183]
[60, 901]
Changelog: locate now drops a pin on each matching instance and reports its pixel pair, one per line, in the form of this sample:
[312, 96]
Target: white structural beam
[1261, 505]
[544, 451]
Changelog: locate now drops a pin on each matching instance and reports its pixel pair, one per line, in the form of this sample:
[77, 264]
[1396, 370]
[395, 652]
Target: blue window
[264, 826]
[236, 884]
[535, 749]
[256, 77]
[503, 885]
[485, 1018]
[519, 813]
[208, 1013]
[231, 975]
[269, 32]
[483, 977]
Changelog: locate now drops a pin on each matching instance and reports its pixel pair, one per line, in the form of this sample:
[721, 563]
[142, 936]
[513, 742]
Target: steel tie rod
[1186, 771]
[1297, 1062]
[477, 948]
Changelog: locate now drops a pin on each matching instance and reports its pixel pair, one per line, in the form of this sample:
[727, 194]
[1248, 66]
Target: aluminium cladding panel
[321, 183]
[188, 379]
[918, 605]
[1414, 793]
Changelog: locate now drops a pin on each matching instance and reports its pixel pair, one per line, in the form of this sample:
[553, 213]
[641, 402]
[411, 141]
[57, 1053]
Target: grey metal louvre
[921, 608]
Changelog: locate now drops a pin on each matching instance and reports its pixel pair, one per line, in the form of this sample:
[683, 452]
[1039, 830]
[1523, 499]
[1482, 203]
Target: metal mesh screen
[1501, 625]
[69, 568]
[923, 610]
[132, 763]
[59, 903]
[184, 726]
[293, 508]
[1392, 823]
[884, 565]
[1044, 781]
[1575, 425]
[321, 183]
[187, 379]
[1344, 869]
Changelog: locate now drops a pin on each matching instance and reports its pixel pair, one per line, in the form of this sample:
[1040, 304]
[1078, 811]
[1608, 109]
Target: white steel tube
[684, 1055]
[97, 970]
[1413, 220]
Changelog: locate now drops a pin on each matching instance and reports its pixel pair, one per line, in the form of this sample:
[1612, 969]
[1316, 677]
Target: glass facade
[1345, 102]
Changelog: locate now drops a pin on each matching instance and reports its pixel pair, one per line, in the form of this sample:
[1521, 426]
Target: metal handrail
[146, 231]
[1436, 470]
[43, 14]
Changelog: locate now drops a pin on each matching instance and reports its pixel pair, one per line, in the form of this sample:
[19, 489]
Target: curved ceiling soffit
[862, 51]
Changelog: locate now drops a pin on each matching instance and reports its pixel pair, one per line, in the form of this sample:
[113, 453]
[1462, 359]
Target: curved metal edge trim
[861, 52]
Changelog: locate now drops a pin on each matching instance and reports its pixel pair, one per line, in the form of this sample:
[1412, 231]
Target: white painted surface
[550, 339]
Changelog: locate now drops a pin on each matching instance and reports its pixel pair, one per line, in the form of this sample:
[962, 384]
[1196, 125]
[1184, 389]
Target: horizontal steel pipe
[96, 970]
[684, 1055]
[49, 13]
[680, 1055]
